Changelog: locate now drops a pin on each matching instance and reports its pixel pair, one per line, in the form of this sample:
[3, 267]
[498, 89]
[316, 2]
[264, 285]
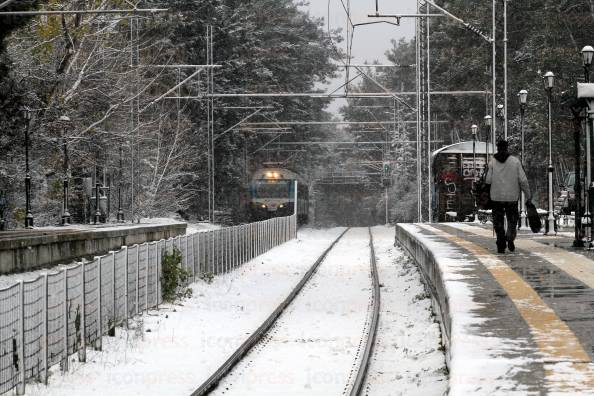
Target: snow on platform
[515, 323]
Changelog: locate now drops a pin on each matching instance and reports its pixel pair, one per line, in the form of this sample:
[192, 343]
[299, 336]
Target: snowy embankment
[172, 351]
[408, 358]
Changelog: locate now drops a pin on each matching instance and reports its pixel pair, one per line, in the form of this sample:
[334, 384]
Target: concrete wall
[34, 250]
[433, 280]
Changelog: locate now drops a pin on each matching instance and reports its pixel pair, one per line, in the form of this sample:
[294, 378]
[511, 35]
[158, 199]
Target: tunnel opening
[348, 204]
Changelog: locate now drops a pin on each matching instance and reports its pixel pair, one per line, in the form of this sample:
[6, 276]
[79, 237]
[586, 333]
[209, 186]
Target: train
[454, 179]
[272, 194]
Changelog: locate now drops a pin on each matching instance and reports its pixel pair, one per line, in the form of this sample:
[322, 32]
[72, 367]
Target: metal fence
[44, 321]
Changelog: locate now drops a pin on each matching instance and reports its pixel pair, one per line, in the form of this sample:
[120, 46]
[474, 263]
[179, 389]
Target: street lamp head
[474, 129]
[488, 120]
[523, 96]
[549, 80]
[587, 54]
[64, 118]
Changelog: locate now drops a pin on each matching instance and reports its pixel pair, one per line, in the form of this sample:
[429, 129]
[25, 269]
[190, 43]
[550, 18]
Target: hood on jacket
[502, 157]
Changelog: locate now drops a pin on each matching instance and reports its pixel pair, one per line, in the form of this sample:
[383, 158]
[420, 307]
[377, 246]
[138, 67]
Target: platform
[513, 323]
[25, 250]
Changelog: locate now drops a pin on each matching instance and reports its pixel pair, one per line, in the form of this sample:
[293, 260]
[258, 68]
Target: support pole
[429, 170]
[296, 207]
[494, 76]
[505, 80]
[418, 89]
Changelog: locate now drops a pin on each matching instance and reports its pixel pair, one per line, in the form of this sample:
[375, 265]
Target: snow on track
[314, 347]
[173, 351]
[407, 357]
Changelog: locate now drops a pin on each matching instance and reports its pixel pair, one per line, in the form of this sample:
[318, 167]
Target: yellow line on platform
[554, 338]
[575, 265]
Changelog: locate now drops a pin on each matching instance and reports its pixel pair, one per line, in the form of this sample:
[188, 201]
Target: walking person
[507, 177]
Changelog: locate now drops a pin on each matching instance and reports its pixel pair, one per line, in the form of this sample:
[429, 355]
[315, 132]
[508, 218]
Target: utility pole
[494, 76]
[505, 80]
[429, 170]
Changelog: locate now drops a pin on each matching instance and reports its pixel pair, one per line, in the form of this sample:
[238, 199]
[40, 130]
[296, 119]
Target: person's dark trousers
[500, 211]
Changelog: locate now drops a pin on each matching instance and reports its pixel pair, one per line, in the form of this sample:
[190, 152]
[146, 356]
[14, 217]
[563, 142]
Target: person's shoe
[511, 246]
[500, 247]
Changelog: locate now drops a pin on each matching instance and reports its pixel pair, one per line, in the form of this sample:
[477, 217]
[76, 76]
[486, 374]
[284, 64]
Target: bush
[174, 279]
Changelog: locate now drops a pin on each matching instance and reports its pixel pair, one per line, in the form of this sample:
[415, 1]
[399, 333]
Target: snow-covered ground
[171, 352]
[313, 348]
[407, 357]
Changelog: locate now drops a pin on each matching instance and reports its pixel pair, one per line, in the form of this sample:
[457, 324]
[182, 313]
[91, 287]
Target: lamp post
[28, 214]
[489, 123]
[523, 98]
[501, 116]
[474, 130]
[549, 84]
[120, 211]
[65, 121]
[587, 55]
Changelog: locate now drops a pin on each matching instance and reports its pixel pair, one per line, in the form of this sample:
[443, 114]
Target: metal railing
[46, 320]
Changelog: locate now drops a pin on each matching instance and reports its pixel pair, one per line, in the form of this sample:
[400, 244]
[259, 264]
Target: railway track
[357, 378]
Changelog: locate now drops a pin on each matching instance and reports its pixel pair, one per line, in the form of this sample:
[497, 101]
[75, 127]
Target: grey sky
[372, 41]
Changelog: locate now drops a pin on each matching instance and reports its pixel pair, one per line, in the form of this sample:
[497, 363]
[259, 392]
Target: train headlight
[281, 206]
[263, 206]
[275, 175]
[269, 174]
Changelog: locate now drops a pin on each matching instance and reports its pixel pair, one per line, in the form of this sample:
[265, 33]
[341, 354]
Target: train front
[272, 194]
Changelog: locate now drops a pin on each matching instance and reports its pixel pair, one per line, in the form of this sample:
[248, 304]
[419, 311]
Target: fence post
[228, 249]
[20, 390]
[82, 355]
[45, 354]
[65, 323]
[251, 241]
[126, 269]
[193, 258]
[233, 247]
[111, 331]
[137, 308]
[158, 259]
[146, 274]
[98, 344]
[208, 257]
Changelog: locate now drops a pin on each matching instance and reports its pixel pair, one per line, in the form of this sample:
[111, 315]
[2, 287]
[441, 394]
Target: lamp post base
[29, 221]
[551, 227]
[66, 220]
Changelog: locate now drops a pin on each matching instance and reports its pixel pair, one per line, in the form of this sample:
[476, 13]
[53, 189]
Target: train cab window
[277, 189]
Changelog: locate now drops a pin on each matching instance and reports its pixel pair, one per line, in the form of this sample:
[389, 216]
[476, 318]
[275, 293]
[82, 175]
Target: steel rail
[248, 344]
[357, 388]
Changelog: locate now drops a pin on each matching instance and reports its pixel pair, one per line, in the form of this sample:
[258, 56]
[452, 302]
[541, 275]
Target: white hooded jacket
[507, 179]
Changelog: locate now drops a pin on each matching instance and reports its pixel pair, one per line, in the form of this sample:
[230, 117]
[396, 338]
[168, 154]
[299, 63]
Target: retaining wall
[433, 280]
[36, 249]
